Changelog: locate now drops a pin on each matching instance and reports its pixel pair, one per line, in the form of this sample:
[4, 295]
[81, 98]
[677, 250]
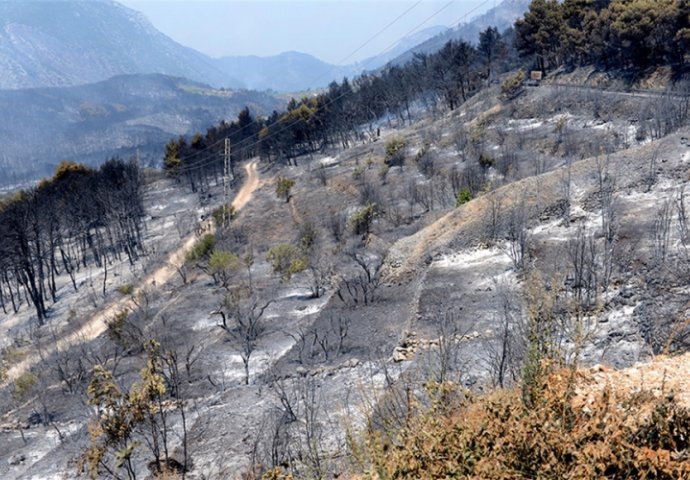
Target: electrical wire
[204, 162]
[366, 42]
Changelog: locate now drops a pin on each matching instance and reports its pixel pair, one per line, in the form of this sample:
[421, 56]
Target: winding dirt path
[97, 324]
[251, 183]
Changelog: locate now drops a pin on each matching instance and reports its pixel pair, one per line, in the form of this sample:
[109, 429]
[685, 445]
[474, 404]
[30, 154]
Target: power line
[380, 32]
[467, 14]
[369, 40]
[204, 162]
[316, 79]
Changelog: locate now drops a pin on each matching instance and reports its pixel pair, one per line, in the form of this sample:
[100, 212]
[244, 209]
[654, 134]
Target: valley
[425, 271]
[473, 262]
[125, 116]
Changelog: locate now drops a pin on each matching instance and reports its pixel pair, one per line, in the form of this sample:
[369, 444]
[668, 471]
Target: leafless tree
[506, 352]
[494, 219]
[249, 326]
[661, 230]
[393, 210]
[425, 195]
[445, 195]
[566, 184]
[609, 228]
[517, 233]
[369, 191]
[173, 363]
[455, 178]
[650, 178]
[583, 278]
[602, 163]
[274, 443]
[337, 224]
[425, 160]
[292, 433]
[361, 288]
[539, 167]
[321, 342]
[182, 269]
[301, 339]
[446, 353]
[321, 175]
[312, 428]
[70, 365]
[460, 140]
[184, 222]
[682, 218]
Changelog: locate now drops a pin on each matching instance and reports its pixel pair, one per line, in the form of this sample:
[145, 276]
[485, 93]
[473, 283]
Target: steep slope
[44, 43]
[406, 43]
[502, 17]
[446, 272]
[119, 116]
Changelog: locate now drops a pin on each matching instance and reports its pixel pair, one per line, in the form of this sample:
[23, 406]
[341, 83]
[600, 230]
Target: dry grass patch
[500, 436]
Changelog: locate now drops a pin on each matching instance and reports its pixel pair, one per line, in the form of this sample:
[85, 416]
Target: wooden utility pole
[227, 178]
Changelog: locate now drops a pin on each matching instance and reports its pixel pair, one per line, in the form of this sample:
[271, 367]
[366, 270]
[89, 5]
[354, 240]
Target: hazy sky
[328, 29]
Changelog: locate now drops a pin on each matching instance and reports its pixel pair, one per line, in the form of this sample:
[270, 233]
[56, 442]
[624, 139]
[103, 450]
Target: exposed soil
[661, 376]
[98, 323]
[438, 264]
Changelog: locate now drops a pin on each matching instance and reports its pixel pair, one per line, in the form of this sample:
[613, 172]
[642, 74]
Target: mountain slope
[286, 72]
[295, 71]
[49, 43]
[118, 116]
[502, 16]
[406, 43]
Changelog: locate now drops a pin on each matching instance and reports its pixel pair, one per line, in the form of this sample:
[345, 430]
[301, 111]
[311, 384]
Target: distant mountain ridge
[119, 116]
[76, 42]
[72, 42]
[405, 44]
[84, 80]
[502, 17]
[285, 72]
[296, 71]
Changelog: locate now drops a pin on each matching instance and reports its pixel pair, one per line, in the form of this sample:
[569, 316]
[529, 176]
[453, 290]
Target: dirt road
[251, 183]
[97, 324]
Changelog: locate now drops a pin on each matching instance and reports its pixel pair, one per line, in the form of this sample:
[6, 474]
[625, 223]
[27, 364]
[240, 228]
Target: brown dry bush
[560, 436]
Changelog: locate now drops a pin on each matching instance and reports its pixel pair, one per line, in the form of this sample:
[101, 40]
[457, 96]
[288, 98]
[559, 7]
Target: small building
[535, 77]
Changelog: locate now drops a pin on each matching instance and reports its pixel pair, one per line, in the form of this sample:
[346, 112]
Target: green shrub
[9, 356]
[307, 236]
[394, 145]
[126, 289]
[287, 260]
[358, 173]
[395, 151]
[362, 219]
[284, 187]
[222, 264]
[512, 85]
[463, 196]
[23, 384]
[223, 210]
[116, 327]
[202, 249]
